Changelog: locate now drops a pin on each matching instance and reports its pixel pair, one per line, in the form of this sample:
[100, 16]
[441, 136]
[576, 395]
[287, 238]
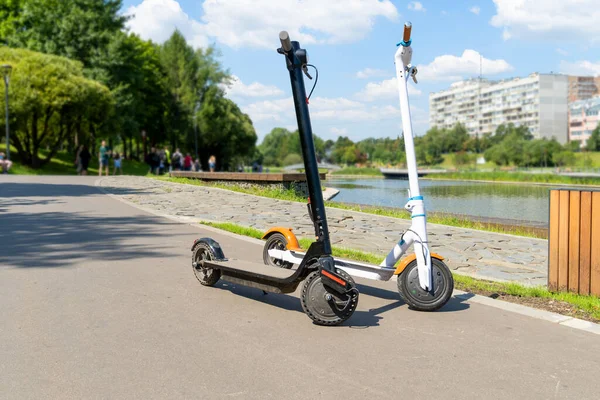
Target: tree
[77, 29]
[50, 101]
[593, 142]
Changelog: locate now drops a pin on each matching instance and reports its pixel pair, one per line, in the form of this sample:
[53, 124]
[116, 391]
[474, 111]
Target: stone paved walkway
[476, 253]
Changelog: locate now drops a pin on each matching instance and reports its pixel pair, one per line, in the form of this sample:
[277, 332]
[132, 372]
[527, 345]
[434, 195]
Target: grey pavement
[99, 301]
[480, 254]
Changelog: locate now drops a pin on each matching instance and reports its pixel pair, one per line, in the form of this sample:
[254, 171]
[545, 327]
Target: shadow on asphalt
[57, 239]
[24, 189]
[360, 319]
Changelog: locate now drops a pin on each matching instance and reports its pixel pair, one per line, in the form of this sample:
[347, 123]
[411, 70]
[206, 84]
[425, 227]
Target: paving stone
[477, 253]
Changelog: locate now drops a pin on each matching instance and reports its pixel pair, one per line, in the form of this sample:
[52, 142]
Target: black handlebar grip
[407, 29]
[285, 41]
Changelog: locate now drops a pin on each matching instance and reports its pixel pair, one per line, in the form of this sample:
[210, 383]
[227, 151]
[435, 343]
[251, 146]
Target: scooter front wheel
[326, 307]
[206, 276]
[277, 242]
[419, 299]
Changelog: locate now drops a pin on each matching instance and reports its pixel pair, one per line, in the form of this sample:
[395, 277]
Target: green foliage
[292, 159]
[593, 143]
[50, 101]
[462, 158]
[77, 29]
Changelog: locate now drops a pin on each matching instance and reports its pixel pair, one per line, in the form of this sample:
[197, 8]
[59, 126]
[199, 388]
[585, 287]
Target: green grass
[592, 158]
[304, 242]
[501, 176]
[358, 171]
[63, 164]
[290, 195]
[588, 304]
[280, 194]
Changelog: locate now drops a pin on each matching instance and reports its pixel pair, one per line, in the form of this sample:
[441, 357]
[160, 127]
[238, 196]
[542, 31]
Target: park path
[475, 253]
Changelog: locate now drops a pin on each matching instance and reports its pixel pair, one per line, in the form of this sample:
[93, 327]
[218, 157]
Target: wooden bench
[574, 241]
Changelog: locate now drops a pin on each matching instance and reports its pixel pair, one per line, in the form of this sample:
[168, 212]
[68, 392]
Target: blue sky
[352, 42]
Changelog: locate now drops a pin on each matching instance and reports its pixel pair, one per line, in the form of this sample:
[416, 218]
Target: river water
[524, 204]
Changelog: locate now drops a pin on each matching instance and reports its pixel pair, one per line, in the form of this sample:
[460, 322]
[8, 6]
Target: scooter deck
[257, 275]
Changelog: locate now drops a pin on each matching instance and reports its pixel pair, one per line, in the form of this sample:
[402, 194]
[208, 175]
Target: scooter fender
[410, 258]
[214, 246]
[292, 241]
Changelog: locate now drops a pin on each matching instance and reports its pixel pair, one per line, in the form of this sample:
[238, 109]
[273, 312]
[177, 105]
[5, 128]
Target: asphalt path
[98, 300]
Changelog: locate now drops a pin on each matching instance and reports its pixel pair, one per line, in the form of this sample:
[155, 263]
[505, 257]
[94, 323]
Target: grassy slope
[63, 164]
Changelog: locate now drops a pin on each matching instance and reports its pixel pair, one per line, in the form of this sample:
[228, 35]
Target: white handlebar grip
[285, 41]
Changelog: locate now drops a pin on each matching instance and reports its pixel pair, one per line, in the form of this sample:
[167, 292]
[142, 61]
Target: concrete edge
[549, 316]
[564, 320]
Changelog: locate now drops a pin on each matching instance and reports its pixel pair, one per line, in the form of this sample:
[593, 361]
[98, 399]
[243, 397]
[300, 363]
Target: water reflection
[522, 202]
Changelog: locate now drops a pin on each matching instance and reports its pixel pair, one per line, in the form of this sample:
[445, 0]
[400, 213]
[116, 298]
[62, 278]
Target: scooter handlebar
[286, 44]
[407, 30]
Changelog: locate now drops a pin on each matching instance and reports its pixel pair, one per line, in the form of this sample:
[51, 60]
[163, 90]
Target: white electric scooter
[424, 280]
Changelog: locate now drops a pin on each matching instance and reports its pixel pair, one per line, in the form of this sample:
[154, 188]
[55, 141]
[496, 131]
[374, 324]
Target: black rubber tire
[206, 276]
[276, 240]
[329, 316]
[419, 299]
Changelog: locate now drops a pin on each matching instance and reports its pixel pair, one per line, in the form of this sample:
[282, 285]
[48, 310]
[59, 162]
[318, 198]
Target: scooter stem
[415, 204]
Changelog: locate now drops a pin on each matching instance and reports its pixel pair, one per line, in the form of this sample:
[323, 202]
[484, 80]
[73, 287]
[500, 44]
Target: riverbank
[517, 177]
[435, 218]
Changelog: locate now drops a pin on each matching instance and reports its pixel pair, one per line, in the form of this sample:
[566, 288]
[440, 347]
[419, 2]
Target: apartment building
[583, 87]
[538, 101]
[584, 117]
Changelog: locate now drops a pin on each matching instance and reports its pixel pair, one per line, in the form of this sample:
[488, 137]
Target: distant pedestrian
[212, 163]
[187, 162]
[84, 159]
[117, 160]
[197, 166]
[167, 160]
[153, 161]
[103, 158]
[177, 160]
[5, 164]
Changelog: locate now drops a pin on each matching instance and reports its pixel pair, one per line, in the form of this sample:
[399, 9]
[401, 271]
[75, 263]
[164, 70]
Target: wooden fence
[574, 241]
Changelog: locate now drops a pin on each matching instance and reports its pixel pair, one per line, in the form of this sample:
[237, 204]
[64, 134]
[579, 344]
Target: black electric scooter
[329, 295]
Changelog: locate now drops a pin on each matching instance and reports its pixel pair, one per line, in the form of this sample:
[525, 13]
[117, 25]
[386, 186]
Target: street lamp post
[196, 127]
[6, 69]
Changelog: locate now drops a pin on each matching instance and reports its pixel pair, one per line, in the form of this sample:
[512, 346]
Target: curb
[549, 316]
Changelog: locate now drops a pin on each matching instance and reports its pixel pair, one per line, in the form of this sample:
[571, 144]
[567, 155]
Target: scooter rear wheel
[206, 276]
[419, 299]
[279, 242]
[325, 307]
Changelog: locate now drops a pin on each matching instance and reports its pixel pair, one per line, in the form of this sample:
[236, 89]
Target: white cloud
[238, 89]
[451, 68]
[274, 111]
[584, 68]
[387, 89]
[370, 72]
[339, 131]
[257, 23]
[157, 19]
[416, 6]
[475, 10]
[564, 19]
[562, 52]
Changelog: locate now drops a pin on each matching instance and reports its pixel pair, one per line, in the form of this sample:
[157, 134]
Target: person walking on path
[212, 163]
[168, 166]
[84, 159]
[5, 164]
[187, 162]
[176, 160]
[103, 158]
[117, 159]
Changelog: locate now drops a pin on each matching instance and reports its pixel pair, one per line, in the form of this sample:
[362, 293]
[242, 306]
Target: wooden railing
[574, 241]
